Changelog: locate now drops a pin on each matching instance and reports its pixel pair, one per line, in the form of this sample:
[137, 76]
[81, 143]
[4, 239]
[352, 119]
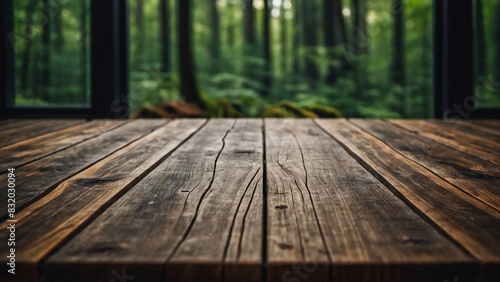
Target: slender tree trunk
[339, 22]
[480, 39]
[359, 35]
[214, 26]
[340, 31]
[497, 44]
[139, 22]
[45, 59]
[329, 23]
[165, 35]
[83, 47]
[310, 38]
[427, 94]
[296, 36]
[59, 32]
[189, 86]
[36, 76]
[284, 39]
[398, 66]
[266, 47]
[26, 56]
[231, 36]
[360, 44]
[248, 23]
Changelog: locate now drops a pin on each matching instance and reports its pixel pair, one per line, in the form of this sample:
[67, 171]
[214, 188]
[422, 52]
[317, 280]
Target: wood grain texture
[173, 198]
[471, 144]
[471, 127]
[39, 177]
[52, 220]
[478, 178]
[255, 200]
[30, 150]
[221, 214]
[324, 207]
[18, 130]
[429, 195]
[489, 123]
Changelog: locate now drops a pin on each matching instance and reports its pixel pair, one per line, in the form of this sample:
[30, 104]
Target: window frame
[108, 66]
[453, 64]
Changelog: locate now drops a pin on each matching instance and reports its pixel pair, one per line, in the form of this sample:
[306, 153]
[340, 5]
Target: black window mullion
[454, 64]
[109, 58]
[6, 57]
[453, 39]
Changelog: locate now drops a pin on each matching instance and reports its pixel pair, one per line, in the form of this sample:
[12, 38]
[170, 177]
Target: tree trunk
[398, 67]
[339, 22]
[360, 44]
[426, 91]
[83, 48]
[248, 23]
[189, 86]
[340, 31]
[284, 40]
[266, 47]
[296, 36]
[359, 36]
[165, 35]
[214, 24]
[328, 27]
[480, 40]
[45, 59]
[496, 38]
[310, 39]
[139, 22]
[26, 56]
[231, 37]
[59, 32]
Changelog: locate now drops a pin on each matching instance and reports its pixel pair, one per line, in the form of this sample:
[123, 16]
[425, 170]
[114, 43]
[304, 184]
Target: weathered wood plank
[294, 231]
[477, 177]
[473, 228]
[19, 130]
[171, 199]
[489, 123]
[30, 150]
[9, 124]
[237, 177]
[6, 121]
[468, 143]
[324, 206]
[52, 220]
[39, 177]
[470, 127]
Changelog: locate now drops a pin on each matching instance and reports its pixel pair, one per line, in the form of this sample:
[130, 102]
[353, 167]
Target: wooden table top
[250, 200]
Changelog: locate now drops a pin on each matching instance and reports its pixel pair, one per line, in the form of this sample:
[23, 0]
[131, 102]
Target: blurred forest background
[357, 58]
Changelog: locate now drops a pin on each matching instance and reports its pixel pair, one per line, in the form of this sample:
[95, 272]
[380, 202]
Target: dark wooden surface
[252, 200]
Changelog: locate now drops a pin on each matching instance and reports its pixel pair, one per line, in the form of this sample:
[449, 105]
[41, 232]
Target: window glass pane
[151, 50]
[51, 44]
[365, 58]
[487, 52]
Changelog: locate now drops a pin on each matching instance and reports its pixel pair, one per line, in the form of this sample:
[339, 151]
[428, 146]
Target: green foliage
[324, 111]
[232, 83]
[287, 109]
